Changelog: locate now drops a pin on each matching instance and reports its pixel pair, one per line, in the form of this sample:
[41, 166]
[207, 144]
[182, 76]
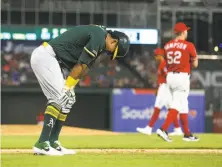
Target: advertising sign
[133, 108]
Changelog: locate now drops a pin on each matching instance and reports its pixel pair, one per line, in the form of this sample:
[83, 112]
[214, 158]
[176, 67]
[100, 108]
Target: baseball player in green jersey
[75, 50]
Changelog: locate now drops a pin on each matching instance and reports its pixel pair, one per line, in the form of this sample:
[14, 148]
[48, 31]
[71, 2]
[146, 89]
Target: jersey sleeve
[164, 55]
[92, 49]
[162, 68]
[192, 51]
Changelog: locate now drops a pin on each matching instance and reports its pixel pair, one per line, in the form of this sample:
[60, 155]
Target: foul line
[173, 151]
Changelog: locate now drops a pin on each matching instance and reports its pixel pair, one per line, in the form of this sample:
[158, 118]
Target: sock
[184, 122]
[58, 127]
[171, 116]
[176, 122]
[154, 117]
[50, 117]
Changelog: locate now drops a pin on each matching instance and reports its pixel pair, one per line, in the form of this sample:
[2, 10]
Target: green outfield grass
[207, 141]
[113, 160]
[212, 141]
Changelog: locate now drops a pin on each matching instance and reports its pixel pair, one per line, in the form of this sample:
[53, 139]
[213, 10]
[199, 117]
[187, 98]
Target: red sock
[171, 116]
[184, 123]
[176, 122]
[154, 116]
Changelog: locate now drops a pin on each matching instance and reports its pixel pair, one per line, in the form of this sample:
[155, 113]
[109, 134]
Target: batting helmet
[123, 43]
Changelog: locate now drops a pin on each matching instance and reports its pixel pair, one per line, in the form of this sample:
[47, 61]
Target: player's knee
[57, 111]
[65, 108]
[53, 109]
[159, 103]
[176, 104]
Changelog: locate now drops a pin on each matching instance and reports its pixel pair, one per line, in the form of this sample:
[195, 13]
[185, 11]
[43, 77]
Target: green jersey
[81, 44]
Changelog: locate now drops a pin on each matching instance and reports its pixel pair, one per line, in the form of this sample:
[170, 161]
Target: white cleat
[57, 145]
[176, 132]
[44, 148]
[147, 130]
[190, 138]
[163, 135]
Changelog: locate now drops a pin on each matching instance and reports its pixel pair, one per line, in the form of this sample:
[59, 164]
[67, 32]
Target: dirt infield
[36, 129]
[104, 151]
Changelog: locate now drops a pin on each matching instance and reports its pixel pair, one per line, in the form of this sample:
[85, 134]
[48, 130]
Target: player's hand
[68, 98]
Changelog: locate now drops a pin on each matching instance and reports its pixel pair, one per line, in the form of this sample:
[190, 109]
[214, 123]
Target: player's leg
[47, 71]
[184, 119]
[177, 130]
[54, 137]
[147, 130]
[179, 104]
[159, 103]
[171, 117]
[184, 108]
[57, 128]
[49, 75]
[172, 83]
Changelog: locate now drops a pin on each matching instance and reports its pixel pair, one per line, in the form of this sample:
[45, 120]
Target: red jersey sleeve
[163, 67]
[164, 55]
[161, 73]
[192, 50]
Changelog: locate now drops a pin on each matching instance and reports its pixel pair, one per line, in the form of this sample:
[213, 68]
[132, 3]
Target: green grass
[113, 160]
[211, 141]
[118, 141]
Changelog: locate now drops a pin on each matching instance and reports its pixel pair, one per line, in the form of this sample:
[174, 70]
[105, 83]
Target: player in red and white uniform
[163, 97]
[180, 56]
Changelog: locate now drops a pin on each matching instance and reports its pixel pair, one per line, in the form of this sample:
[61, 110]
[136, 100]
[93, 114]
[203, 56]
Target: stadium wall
[96, 108]
[25, 106]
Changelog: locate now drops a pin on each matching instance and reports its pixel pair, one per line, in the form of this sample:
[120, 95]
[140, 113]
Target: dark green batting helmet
[123, 43]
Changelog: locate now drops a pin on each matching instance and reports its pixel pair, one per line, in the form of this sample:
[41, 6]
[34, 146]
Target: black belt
[176, 72]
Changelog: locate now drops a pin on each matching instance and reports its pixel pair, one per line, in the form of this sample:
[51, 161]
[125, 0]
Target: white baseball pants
[179, 84]
[163, 97]
[48, 72]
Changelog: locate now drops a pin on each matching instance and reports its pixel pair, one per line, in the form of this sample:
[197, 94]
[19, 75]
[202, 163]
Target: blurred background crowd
[138, 69]
[16, 69]
[25, 24]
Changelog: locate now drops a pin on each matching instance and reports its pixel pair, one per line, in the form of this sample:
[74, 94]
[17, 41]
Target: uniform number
[173, 57]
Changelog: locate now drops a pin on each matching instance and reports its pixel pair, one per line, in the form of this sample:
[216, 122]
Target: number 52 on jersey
[173, 57]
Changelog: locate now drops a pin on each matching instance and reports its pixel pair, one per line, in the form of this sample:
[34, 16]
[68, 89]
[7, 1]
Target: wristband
[71, 82]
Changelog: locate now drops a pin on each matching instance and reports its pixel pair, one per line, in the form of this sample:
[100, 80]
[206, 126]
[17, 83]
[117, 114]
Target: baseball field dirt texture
[103, 148]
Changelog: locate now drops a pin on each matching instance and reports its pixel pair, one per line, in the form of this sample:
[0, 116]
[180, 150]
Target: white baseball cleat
[147, 130]
[190, 138]
[57, 145]
[163, 134]
[176, 132]
[44, 148]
